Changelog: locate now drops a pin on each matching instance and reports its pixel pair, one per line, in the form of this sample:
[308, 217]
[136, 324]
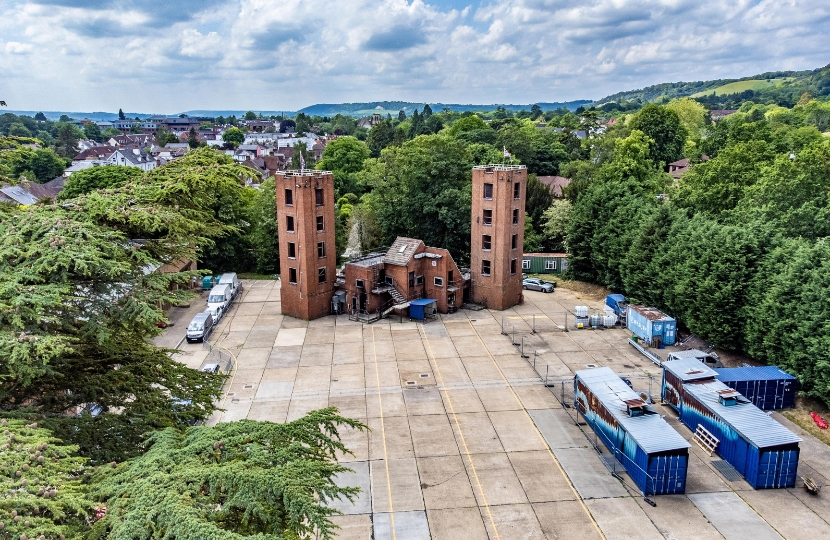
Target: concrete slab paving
[432, 435]
[287, 337]
[516, 431]
[456, 524]
[676, 517]
[566, 520]
[354, 527]
[408, 526]
[787, 514]
[512, 521]
[357, 477]
[445, 482]
[498, 480]
[732, 517]
[541, 478]
[622, 519]
[587, 473]
[403, 482]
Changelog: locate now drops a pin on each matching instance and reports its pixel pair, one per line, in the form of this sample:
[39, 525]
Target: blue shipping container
[654, 455]
[767, 387]
[651, 325]
[762, 450]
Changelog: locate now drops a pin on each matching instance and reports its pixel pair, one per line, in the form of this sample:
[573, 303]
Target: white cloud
[15, 47]
[147, 55]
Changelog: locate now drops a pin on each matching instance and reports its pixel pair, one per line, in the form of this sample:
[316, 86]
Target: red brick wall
[306, 299]
[501, 289]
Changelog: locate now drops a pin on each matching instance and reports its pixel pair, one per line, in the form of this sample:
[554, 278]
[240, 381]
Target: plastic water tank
[596, 320]
[581, 311]
[609, 320]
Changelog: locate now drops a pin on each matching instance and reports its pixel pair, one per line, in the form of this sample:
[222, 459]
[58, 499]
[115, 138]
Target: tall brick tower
[499, 193]
[305, 211]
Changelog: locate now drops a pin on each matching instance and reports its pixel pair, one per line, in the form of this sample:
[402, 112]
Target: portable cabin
[423, 308]
[762, 450]
[651, 325]
[544, 263]
[654, 455]
[707, 359]
[767, 387]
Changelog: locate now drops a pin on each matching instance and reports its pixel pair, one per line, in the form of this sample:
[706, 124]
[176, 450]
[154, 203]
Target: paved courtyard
[466, 440]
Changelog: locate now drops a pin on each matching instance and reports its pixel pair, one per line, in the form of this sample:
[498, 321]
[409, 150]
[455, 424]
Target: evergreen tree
[401, 116]
[235, 480]
[45, 484]
[121, 115]
[193, 139]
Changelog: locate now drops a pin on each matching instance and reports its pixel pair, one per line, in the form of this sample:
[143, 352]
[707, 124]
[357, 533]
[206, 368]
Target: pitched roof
[555, 183]
[49, 189]
[95, 152]
[19, 195]
[402, 250]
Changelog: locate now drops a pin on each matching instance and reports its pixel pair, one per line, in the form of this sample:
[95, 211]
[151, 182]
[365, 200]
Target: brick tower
[305, 212]
[499, 193]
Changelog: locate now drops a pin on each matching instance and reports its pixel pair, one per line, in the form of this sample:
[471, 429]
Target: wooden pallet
[706, 440]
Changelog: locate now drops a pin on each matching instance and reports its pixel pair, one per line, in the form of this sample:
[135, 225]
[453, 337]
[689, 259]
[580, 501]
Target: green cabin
[544, 263]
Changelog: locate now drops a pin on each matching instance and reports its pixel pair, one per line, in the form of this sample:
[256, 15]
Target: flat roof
[753, 373]
[749, 421]
[500, 167]
[651, 313]
[689, 369]
[544, 254]
[652, 433]
[423, 302]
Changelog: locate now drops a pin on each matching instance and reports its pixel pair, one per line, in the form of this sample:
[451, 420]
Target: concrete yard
[466, 440]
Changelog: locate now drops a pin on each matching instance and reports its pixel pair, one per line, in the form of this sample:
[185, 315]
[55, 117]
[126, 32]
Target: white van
[230, 279]
[219, 300]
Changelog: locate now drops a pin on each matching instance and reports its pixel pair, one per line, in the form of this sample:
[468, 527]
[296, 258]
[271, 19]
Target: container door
[767, 470]
[786, 467]
[780, 391]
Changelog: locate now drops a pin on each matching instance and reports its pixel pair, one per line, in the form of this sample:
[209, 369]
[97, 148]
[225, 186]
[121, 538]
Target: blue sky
[163, 56]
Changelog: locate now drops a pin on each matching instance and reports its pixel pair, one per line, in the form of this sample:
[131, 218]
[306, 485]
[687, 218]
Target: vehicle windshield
[216, 298]
[196, 327]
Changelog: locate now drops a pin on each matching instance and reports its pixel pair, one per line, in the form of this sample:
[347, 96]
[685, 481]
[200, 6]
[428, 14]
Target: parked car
[535, 284]
[231, 281]
[211, 368]
[219, 300]
[200, 327]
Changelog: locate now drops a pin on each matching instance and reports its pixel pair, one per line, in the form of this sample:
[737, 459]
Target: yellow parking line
[383, 435]
[539, 433]
[440, 380]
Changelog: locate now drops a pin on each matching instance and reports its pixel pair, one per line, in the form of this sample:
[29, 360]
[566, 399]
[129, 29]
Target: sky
[163, 56]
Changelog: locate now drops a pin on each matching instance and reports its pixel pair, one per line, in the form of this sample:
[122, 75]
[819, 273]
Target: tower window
[289, 223]
[292, 250]
[321, 249]
[485, 268]
[488, 217]
[515, 216]
[517, 188]
[318, 196]
[292, 275]
[488, 191]
[289, 197]
[512, 266]
[321, 275]
[320, 224]
[514, 241]
[485, 241]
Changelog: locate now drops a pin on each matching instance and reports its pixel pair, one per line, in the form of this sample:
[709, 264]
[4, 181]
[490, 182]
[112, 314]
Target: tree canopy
[236, 480]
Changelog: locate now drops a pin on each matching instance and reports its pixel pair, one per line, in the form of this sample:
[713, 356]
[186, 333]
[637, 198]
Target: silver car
[535, 284]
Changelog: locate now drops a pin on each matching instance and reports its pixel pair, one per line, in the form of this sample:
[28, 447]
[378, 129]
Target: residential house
[678, 168]
[28, 193]
[720, 114]
[133, 157]
[555, 183]
[544, 263]
[95, 153]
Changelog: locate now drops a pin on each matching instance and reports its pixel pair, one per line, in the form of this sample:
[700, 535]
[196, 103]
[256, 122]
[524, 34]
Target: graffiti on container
[692, 402]
[673, 383]
[596, 405]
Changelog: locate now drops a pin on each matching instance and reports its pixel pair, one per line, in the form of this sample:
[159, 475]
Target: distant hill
[94, 115]
[393, 107]
[784, 87]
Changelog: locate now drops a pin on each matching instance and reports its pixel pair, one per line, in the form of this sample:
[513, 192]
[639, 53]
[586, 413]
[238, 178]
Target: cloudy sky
[166, 56]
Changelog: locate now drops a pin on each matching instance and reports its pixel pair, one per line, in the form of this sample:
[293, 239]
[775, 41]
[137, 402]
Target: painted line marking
[539, 434]
[440, 381]
[383, 436]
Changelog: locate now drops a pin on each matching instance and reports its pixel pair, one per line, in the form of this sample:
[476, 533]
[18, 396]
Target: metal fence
[217, 356]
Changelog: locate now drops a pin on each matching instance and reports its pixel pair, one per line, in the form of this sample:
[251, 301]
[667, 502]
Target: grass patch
[741, 86]
[269, 277]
